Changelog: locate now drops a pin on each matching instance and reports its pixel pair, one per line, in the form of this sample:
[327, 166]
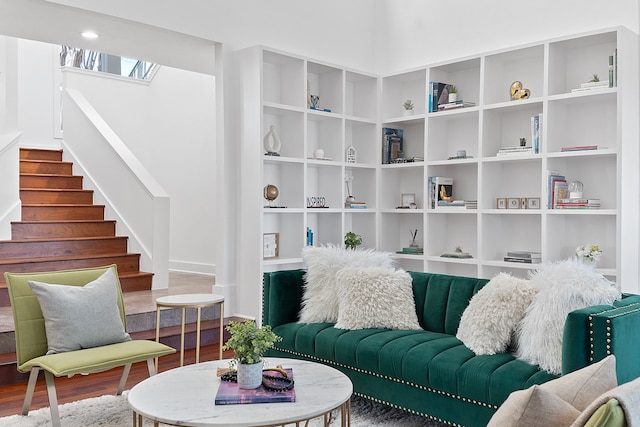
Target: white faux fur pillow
[493, 314]
[320, 299]
[563, 287]
[376, 297]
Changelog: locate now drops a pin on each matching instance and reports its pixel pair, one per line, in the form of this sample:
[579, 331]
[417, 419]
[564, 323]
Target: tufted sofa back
[440, 299]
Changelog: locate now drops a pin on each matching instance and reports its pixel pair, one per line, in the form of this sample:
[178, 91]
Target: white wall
[36, 94]
[169, 125]
[423, 32]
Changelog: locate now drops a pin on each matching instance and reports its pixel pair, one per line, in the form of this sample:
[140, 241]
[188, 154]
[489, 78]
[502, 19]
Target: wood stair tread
[60, 258]
[62, 221]
[63, 239]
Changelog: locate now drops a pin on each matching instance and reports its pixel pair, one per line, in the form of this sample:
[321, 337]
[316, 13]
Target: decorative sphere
[271, 192]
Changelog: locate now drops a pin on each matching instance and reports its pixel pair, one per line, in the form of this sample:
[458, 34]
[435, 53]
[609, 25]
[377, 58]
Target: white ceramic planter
[250, 376]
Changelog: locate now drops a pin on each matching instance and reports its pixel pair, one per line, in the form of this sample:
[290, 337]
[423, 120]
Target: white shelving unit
[274, 92]
[605, 117]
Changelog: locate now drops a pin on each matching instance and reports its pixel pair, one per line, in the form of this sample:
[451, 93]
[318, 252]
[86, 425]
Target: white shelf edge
[282, 210]
[282, 159]
[402, 165]
[512, 158]
[604, 212]
[402, 211]
[584, 153]
[447, 162]
[281, 261]
[438, 258]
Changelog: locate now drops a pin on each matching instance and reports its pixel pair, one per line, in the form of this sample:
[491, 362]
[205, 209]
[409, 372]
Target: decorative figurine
[272, 142]
[270, 192]
[518, 92]
[351, 155]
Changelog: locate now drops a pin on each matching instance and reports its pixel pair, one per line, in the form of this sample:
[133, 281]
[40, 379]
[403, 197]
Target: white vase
[271, 141]
[453, 97]
[250, 376]
[408, 112]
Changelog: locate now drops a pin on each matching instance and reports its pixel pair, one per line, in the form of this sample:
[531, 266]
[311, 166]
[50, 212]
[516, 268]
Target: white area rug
[114, 411]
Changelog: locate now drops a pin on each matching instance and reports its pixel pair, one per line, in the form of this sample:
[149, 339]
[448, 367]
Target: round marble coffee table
[185, 396]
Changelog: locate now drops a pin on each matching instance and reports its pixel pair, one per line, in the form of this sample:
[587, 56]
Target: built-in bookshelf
[275, 88]
[602, 117]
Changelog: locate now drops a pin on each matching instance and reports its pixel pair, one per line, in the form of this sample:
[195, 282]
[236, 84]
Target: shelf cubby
[326, 82]
[398, 88]
[502, 232]
[363, 136]
[448, 231]
[284, 175]
[283, 79]
[504, 126]
[511, 178]
[525, 65]
[453, 132]
[396, 233]
[288, 126]
[361, 96]
[464, 75]
[402, 178]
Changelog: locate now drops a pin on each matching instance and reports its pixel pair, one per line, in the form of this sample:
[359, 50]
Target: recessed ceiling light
[90, 35]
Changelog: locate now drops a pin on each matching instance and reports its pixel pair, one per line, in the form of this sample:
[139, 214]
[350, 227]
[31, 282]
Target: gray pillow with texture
[77, 317]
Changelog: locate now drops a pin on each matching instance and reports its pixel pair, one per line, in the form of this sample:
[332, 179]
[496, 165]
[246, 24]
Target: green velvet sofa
[430, 372]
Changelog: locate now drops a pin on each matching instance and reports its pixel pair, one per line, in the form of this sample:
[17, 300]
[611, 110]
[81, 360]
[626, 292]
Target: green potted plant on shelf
[352, 240]
[249, 343]
[408, 107]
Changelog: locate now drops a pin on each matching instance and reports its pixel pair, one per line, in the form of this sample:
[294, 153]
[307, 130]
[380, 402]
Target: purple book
[230, 394]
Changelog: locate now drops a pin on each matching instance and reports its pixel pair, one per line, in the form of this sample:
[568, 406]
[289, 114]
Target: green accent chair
[31, 339]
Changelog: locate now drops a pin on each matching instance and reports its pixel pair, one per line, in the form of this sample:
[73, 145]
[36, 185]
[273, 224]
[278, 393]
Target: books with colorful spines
[536, 132]
[230, 394]
[552, 177]
[560, 191]
[392, 144]
[579, 201]
[436, 93]
[523, 260]
[581, 148]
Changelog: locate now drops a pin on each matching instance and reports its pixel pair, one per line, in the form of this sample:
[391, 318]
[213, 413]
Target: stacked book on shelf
[581, 148]
[355, 205]
[591, 86]
[454, 105]
[515, 151]
[556, 188]
[392, 145]
[577, 203]
[596, 83]
[536, 132]
[526, 257]
[471, 204]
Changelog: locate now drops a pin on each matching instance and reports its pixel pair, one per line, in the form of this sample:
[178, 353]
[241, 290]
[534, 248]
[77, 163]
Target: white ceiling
[59, 24]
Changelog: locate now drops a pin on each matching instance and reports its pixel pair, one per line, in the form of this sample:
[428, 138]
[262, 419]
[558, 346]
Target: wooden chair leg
[31, 386]
[151, 367]
[53, 398]
[123, 379]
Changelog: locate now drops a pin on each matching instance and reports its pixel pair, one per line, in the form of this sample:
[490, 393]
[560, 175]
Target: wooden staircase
[61, 228]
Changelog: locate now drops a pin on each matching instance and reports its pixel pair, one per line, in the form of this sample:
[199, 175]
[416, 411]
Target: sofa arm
[592, 333]
[282, 296]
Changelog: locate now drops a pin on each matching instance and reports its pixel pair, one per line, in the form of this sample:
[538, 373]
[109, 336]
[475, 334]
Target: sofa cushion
[493, 314]
[609, 414]
[78, 317]
[558, 402]
[320, 300]
[375, 297]
[563, 287]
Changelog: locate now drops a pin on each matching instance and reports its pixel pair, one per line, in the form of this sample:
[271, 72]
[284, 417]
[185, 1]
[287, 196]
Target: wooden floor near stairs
[82, 387]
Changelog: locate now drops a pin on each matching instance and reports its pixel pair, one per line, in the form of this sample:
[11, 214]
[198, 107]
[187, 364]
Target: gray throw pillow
[77, 317]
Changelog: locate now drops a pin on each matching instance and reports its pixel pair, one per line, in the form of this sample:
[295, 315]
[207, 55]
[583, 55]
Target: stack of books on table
[355, 205]
[471, 204]
[456, 104]
[578, 203]
[515, 151]
[526, 257]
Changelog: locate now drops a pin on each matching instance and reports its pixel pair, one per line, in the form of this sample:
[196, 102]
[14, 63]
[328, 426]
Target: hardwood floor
[94, 385]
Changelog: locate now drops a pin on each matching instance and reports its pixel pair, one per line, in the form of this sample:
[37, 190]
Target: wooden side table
[184, 301]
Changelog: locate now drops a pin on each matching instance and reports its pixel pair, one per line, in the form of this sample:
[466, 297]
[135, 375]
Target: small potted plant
[249, 343]
[352, 240]
[408, 107]
[589, 254]
[453, 93]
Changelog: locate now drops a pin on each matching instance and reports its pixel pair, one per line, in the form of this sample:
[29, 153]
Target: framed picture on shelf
[501, 203]
[513, 203]
[533, 202]
[408, 200]
[270, 245]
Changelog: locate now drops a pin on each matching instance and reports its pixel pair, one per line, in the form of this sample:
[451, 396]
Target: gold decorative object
[518, 92]
[270, 193]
